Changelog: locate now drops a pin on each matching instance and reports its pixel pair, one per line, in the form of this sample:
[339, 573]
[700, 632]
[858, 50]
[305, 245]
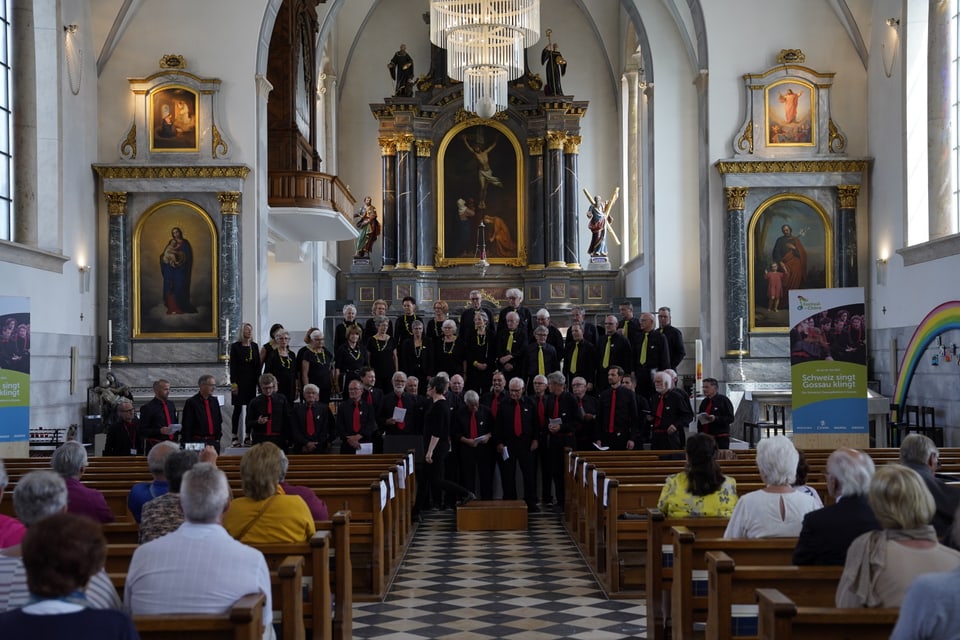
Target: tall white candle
[741, 327]
[226, 331]
[109, 330]
[699, 363]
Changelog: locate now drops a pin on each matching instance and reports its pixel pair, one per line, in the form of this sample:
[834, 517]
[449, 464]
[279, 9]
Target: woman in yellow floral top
[701, 490]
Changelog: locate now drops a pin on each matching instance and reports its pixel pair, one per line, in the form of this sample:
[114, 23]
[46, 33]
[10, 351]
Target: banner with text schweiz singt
[14, 369]
[828, 358]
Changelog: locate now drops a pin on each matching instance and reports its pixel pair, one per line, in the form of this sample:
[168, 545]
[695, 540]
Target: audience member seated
[701, 490]
[881, 564]
[920, 454]
[777, 510]
[198, 568]
[800, 484]
[61, 553]
[318, 508]
[266, 514]
[931, 606]
[11, 529]
[38, 495]
[827, 533]
[163, 514]
[70, 460]
[144, 492]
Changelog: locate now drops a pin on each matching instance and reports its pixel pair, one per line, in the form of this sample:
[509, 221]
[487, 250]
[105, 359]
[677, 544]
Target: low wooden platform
[492, 515]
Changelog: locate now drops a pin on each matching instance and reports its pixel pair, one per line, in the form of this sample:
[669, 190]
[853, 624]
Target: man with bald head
[828, 532]
[651, 354]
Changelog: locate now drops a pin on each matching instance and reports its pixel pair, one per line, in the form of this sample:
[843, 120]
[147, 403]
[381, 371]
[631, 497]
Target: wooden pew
[244, 621]
[688, 606]
[313, 561]
[731, 585]
[782, 619]
[659, 574]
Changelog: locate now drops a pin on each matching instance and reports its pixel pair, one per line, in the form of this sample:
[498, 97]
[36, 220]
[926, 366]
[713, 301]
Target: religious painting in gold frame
[175, 272]
[791, 110]
[794, 233]
[173, 119]
[480, 177]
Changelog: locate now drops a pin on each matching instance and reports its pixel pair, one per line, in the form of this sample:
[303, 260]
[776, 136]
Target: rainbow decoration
[942, 319]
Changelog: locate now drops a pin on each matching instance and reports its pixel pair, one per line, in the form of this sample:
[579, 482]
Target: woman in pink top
[11, 530]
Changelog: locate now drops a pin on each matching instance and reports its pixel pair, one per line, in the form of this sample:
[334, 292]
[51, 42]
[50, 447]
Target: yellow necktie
[643, 350]
[540, 366]
[606, 353]
[626, 328]
[573, 360]
[510, 343]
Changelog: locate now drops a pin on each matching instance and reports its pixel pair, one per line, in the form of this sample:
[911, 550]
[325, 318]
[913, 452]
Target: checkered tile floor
[529, 585]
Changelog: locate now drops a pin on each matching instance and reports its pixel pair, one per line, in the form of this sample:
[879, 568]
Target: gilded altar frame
[154, 315]
[462, 199]
[810, 224]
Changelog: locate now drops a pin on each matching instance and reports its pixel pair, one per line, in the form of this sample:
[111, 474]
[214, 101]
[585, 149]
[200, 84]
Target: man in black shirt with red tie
[123, 438]
[494, 399]
[715, 414]
[562, 413]
[356, 422]
[516, 438]
[473, 430]
[269, 415]
[202, 421]
[399, 399]
[312, 429]
[587, 410]
[157, 415]
[617, 422]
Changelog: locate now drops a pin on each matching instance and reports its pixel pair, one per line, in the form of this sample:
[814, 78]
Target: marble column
[846, 236]
[571, 185]
[119, 274]
[406, 201]
[736, 272]
[230, 292]
[23, 51]
[388, 235]
[552, 229]
[940, 91]
[535, 197]
[425, 217]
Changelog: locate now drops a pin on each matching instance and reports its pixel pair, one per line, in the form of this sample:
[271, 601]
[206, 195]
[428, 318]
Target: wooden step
[492, 515]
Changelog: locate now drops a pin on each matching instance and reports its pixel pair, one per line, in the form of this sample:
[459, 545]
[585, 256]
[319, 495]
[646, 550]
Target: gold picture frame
[480, 167]
[804, 256]
[174, 119]
[175, 274]
[791, 113]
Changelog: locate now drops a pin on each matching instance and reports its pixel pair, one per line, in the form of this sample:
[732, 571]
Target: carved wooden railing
[309, 189]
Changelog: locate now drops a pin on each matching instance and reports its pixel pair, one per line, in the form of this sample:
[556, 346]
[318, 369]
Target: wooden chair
[244, 621]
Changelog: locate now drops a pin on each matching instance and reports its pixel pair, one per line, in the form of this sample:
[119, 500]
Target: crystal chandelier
[485, 42]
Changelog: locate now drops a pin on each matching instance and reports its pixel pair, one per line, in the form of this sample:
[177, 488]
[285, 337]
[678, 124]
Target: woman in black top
[416, 356]
[316, 365]
[382, 355]
[268, 348]
[449, 357]
[244, 371]
[350, 358]
[436, 439]
[349, 320]
[480, 355]
[282, 364]
[434, 330]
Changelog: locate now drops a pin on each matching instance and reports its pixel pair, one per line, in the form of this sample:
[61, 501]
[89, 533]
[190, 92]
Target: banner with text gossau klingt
[828, 358]
[14, 369]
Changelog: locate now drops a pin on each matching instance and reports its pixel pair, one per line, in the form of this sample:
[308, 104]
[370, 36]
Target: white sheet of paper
[175, 428]
[506, 454]
[366, 448]
[399, 413]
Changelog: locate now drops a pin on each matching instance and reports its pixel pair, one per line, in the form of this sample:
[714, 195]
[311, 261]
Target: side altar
[474, 203]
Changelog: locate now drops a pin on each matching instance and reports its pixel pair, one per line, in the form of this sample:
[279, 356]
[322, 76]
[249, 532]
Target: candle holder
[226, 360]
[109, 355]
[743, 376]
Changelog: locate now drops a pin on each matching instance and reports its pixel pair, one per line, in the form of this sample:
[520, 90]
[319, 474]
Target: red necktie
[709, 406]
[402, 424]
[613, 408]
[369, 397]
[269, 416]
[166, 413]
[517, 424]
[556, 406]
[310, 429]
[659, 411]
[495, 405]
[206, 403]
[356, 417]
[541, 411]
[131, 434]
[473, 425]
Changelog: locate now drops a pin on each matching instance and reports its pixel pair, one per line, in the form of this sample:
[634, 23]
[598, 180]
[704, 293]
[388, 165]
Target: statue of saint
[401, 70]
[369, 227]
[599, 216]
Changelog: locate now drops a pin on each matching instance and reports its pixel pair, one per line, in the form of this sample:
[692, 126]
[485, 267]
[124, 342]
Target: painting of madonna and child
[175, 272]
[789, 251]
[479, 181]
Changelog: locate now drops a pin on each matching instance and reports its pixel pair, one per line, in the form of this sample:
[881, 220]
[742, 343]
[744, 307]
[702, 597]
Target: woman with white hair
[349, 320]
[316, 364]
[777, 510]
[449, 356]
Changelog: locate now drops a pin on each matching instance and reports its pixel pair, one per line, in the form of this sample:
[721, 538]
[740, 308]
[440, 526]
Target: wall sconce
[84, 270]
[889, 45]
[881, 271]
[74, 55]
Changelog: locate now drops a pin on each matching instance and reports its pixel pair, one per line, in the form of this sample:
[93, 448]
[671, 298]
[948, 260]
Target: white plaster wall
[291, 297]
